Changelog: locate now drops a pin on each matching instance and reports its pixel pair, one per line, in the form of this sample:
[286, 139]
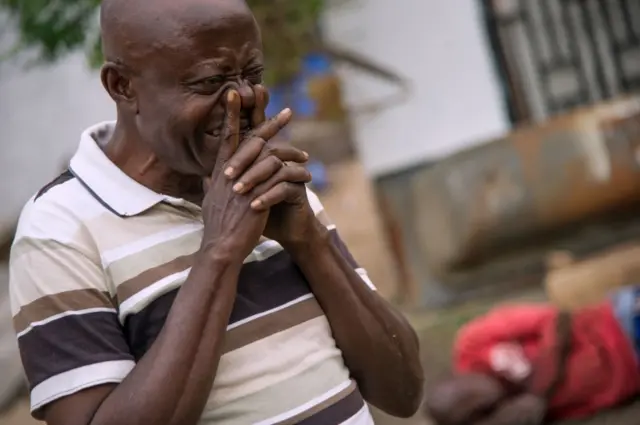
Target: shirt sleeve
[64, 316]
[323, 217]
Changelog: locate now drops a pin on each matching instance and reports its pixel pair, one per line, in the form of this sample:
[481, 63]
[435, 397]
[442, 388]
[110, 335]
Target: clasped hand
[258, 185]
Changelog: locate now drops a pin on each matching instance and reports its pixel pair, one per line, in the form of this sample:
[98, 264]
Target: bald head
[133, 30]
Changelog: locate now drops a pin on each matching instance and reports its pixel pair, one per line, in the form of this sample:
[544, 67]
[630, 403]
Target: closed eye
[209, 84]
[253, 75]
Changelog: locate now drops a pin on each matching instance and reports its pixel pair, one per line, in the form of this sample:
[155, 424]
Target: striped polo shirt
[95, 267]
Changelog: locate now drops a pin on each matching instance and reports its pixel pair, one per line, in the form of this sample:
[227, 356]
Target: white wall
[439, 45]
[42, 113]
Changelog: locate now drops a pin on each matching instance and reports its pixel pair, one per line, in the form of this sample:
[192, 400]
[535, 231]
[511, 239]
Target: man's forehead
[162, 24]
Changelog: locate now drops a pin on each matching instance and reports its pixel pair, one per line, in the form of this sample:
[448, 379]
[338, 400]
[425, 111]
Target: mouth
[245, 128]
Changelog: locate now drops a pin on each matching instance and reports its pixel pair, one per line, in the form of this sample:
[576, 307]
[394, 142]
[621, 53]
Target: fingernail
[285, 112]
[231, 95]
[238, 187]
[228, 172]
[306, 155]
[256, 204]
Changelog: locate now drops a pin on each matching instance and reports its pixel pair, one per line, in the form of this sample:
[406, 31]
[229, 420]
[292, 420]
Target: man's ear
[117, 81]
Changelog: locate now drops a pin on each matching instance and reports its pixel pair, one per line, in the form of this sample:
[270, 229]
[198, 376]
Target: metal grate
[556, 55]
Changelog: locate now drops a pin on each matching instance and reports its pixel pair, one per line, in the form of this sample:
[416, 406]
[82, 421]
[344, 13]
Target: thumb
[231, 135]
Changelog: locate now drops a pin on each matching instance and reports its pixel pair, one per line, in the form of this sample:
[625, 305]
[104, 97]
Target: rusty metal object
[482, 202]
[575, 284]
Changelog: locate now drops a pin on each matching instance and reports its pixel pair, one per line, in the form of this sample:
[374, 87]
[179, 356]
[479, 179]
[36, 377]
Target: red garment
[515, 341]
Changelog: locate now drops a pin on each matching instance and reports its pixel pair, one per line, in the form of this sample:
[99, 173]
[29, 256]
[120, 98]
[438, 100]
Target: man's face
[181, 92]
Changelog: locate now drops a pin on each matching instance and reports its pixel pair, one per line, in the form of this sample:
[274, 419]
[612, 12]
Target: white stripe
[140, 300]
[75, 380]
[363, 274]
[65, 314]
[331, 227]
[306, 406]
[264, 251]
[314, 202]
[141, 244]
[266, 313]
[363, 417]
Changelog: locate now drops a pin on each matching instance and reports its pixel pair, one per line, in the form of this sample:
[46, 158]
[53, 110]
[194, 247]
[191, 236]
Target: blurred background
[470, 151]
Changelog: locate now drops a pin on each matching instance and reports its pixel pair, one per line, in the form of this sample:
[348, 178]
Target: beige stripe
[28, 245]
[63, 302]
[274, 359]
[152, 275]
[156, 256]
[113, 232]
[320, 406]
[271, 324]
[283, 396]
[44, 272]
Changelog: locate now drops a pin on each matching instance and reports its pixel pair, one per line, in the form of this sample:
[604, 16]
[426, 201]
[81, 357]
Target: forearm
[379, 346]
[173, 379]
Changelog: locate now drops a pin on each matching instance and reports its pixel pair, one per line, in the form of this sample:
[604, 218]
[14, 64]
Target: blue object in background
[319, 175]
[295, 94]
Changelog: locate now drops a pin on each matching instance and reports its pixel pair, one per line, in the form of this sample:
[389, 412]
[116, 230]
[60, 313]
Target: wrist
[219, 258]
[314, 239]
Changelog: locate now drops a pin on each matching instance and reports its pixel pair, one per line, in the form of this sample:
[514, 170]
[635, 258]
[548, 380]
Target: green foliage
[55, 28]
[289, 32]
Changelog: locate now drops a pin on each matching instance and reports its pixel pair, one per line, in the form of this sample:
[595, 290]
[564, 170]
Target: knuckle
[307, 176]
[275, 162]
[257, 141]
[271, 150]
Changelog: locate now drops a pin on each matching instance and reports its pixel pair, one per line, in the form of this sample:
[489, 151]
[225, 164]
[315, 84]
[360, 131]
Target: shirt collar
[104, 180]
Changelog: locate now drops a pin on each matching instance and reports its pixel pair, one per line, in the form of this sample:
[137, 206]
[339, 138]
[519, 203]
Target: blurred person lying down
[525, 364]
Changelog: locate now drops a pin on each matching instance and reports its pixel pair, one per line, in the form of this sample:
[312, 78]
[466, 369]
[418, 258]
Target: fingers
[273, 159]
[231, 127]
[285, 174]
[271, 127]
[285, 191]
[258, 115]
[244, 157]
[255, 150]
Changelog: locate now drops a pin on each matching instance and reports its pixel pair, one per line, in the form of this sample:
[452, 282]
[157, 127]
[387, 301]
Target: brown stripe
[320, 406]
[50, 305]
[271, 324]
[324, 218]
[149, 277]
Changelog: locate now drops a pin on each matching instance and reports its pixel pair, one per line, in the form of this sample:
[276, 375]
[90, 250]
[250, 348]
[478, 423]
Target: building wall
[42, 112]
[439, 45]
